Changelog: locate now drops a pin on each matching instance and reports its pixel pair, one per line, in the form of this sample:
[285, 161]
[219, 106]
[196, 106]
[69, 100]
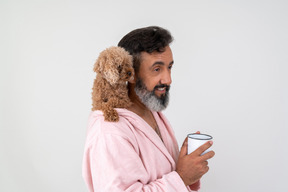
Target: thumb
[183, 150]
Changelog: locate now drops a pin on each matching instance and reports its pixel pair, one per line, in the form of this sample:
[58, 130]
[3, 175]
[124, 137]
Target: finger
[205, 163]
[208, 155]
[203, 147]
[183, 150]
[197, 132]
[206, 169]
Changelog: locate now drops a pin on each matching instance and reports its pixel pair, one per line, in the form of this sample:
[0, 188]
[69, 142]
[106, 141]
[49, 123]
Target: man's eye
[170, 67]
[157, 69]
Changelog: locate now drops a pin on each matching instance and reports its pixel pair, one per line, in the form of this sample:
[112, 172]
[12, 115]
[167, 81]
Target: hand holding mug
[193, 166]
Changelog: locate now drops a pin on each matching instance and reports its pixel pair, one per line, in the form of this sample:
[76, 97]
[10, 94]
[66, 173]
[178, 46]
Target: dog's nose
[129, 73]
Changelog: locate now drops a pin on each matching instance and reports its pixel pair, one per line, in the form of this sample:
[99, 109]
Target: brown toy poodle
[114, 67]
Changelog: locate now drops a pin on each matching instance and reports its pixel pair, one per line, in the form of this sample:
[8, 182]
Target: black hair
[148, 39]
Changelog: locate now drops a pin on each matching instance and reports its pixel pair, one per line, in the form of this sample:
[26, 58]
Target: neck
[141, 110]
[137, 106]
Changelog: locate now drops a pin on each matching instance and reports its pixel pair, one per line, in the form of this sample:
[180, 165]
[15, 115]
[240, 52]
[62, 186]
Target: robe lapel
[138, 123]
[168, 135]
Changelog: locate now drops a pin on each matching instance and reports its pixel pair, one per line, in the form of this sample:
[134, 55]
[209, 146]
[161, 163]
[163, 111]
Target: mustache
[162, 86]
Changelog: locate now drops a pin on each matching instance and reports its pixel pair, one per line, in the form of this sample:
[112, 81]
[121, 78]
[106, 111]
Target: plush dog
[114, 67]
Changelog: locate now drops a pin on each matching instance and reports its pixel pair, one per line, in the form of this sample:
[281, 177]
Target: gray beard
[149, 99]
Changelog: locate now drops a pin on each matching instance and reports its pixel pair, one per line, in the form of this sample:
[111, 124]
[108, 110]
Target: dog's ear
[98, 66]
[110, 72]
[108, 63]
[104, 63]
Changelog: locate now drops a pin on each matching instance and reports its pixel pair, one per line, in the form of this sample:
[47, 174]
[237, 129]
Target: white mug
[195, 140]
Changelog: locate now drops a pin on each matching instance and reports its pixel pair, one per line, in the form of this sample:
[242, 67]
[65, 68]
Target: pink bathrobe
[130, 156]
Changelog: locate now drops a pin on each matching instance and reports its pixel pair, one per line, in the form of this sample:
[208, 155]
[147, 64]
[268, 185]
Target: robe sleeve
[113, 164]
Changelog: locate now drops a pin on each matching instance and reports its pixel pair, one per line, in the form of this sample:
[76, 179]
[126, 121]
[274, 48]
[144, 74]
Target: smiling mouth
[161, 89]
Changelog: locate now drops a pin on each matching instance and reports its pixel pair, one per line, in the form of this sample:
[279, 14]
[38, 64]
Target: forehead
[165, 57]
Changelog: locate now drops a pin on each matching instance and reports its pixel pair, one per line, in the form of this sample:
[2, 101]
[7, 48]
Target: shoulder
[99, 128]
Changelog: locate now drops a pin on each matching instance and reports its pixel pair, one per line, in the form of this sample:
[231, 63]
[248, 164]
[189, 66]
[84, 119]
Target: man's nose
[166, 78]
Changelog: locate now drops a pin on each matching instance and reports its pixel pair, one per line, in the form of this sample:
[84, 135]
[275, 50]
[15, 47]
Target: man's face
[154, 79]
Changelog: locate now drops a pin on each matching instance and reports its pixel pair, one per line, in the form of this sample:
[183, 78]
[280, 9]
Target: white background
[229, 80]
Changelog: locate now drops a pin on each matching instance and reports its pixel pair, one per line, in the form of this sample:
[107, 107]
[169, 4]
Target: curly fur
[114, 67]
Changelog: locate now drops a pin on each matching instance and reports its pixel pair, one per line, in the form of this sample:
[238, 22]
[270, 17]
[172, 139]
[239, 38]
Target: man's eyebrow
[161, 63]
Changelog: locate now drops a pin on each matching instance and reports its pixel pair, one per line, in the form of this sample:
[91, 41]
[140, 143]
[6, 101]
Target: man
[140, 152]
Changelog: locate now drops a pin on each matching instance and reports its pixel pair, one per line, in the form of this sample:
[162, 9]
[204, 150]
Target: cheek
[151, 83]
